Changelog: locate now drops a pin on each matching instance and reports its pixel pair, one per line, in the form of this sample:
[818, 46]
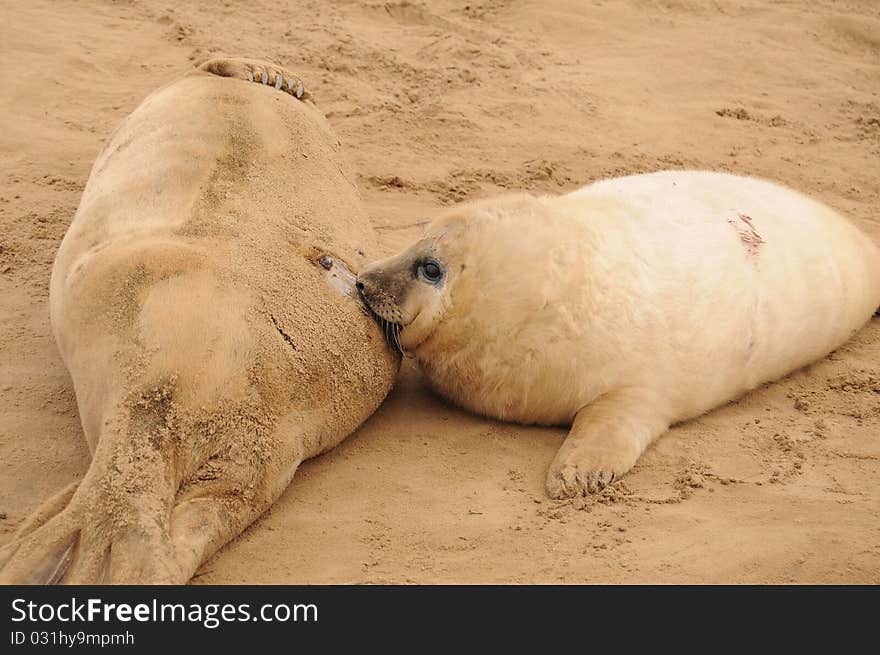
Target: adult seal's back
[200, 301]
[624, 307]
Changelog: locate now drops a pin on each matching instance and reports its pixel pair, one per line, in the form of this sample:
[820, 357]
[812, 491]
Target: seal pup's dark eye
[430, 271]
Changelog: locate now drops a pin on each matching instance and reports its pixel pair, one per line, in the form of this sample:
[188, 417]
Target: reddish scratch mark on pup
[747, 234]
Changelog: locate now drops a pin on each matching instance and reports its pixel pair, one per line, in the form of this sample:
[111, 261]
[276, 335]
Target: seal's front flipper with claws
[261, 72]
[606, 439]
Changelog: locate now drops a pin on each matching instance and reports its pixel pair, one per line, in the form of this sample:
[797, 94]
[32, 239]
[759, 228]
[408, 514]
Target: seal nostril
[359, 285]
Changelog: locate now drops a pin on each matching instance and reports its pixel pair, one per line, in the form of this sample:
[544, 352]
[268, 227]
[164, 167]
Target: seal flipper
[54, 567]
[79, 547]
[57, 557]
[261, 72]
[107, 526]
[606, 439]
[210, 511]
[43, 556]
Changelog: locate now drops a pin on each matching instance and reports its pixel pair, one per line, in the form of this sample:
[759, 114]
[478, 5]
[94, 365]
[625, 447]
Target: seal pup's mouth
[344, 281]
[390, 328]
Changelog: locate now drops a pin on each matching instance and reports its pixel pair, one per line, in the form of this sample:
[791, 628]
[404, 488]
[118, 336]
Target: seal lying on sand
[624, 307]
[196, 302]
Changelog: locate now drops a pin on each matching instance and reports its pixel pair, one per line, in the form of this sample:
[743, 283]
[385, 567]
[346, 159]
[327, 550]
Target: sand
[442, 101]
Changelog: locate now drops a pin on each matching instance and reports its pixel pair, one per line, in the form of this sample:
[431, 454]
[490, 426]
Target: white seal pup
[624, 307]
[196, 302]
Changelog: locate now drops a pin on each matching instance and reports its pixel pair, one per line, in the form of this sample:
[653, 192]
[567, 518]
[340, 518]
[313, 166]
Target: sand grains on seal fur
[209, 351]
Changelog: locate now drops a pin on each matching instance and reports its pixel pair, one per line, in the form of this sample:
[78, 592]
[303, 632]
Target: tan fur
[209, 353]
[626, 306]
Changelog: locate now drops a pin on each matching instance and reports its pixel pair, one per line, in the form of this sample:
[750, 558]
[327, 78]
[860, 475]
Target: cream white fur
[631, 304]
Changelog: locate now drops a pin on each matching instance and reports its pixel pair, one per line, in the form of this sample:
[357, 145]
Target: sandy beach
[437, 102]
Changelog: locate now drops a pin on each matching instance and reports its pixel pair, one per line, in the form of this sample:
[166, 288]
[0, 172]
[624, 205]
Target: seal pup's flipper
[605, 440]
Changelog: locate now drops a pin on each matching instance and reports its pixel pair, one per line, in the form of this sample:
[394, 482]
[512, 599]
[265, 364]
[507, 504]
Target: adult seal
[200, 301]
[624, 307]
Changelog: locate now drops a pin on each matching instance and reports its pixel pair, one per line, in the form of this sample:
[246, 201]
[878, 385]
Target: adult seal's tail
[201, 303]
[624, 307]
